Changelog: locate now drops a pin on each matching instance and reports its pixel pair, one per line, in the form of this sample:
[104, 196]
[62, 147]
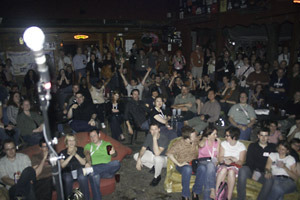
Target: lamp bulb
[34, 38]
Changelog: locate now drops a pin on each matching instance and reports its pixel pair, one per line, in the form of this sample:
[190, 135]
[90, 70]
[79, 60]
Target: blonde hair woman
[72, 167]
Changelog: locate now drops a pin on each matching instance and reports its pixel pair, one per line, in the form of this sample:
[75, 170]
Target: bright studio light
[34, 38]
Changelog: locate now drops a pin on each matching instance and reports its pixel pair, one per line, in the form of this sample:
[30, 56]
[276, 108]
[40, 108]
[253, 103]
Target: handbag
[222, 191]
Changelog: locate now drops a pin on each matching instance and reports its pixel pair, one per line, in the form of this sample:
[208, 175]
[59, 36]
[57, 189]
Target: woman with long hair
[207, 163]
[72, 167]
[115, 110]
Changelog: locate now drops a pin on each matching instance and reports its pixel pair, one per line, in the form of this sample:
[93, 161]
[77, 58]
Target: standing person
[256, 159]
[231, 158]
[79, 63]
[224, 67]
[179, 62]
[93, 70]
[63, 60]
[208, 158]
[197, 62]
[98, 154]
[280, 173]
[72, 166]
[152, 153]
[182, 152]
[115, 111]
[163, 61]
[141, 64]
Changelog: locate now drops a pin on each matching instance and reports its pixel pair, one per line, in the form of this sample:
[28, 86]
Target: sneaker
[155, 181]
[103, 125]
[87, 170]
[152, 170]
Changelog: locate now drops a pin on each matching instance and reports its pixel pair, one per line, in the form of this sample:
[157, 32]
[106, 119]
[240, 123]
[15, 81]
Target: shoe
[195, 196]
[155, 181]
[117, 178]
[103, 125]
[183, 198]
[152, 170]
[87, 170]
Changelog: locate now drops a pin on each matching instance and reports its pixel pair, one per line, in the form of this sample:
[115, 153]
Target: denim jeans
[107, 170]
[83, 183]
[205, 178]
[245, 135]
[186, 173]
[244, 173]
[33, 139]
[80, 126]
[280, 187]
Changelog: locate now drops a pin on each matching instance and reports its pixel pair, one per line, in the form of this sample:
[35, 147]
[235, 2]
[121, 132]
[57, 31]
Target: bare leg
[230, 182]
[221, 177]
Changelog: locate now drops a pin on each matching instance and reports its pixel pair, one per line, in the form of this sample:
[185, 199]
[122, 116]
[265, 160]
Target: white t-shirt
[297, 135]
[233, 150]
[97, 95]
[288, 161]
[140, 87]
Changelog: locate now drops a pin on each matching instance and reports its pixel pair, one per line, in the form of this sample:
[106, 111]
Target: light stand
[34, 39]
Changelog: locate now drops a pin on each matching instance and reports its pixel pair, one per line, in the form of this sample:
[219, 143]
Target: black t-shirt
[84, 111]
[153, 120]
[74, 163]
[257, 156]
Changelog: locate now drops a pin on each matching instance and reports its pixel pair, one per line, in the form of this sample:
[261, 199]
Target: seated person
[230, 96]
[175, 85]
[83, 114]
[278, 89]
[258, 98]
[295, 148]
[152, 153]
[295, 130]
[43, 185]
[242, 116]
[205, 84]
[98, 154]
[210, 113]
[186, 102]
[30, 124]
[136, 111]
[17, 173]
[275, 134]
[72, 166]
[257, 77]
[207, 163]
[151, 100]
[256, 159]
[160, 87]
[280, 173]
[231, 158]
[158, 116]
[182, 152]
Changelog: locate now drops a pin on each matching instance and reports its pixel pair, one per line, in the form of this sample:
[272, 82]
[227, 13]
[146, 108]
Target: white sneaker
[87, 170]
[103, 125]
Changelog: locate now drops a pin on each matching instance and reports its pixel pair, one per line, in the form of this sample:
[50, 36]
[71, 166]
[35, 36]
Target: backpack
[222, 191]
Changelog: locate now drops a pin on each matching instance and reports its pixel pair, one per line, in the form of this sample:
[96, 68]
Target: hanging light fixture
[81, 37]
[296, 1]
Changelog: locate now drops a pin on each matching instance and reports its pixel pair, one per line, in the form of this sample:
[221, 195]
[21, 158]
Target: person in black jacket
[256, 159]
[93, 70]
[115, 110]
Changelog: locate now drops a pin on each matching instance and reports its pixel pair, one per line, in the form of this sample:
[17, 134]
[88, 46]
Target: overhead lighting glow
[81, 37]
[296, 1]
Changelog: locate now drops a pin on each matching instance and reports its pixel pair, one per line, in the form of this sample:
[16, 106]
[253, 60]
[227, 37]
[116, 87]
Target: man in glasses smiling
[256, 158]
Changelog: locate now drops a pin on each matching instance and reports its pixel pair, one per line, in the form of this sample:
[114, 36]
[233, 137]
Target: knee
[67, 177]
[187, 170]
[115, 164]
[211, 167]
[231, 174]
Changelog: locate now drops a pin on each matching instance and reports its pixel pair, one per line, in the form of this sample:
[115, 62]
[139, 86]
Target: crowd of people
[151, 91]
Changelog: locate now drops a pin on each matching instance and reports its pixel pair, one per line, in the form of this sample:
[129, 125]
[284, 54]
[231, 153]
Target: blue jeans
[80, 126]
[15, 137]
[244, 173]
[33, 139]
[83, 183]
[186, 173]
[107, 170]
[245, 135]
[205, 177]
[280, 187]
